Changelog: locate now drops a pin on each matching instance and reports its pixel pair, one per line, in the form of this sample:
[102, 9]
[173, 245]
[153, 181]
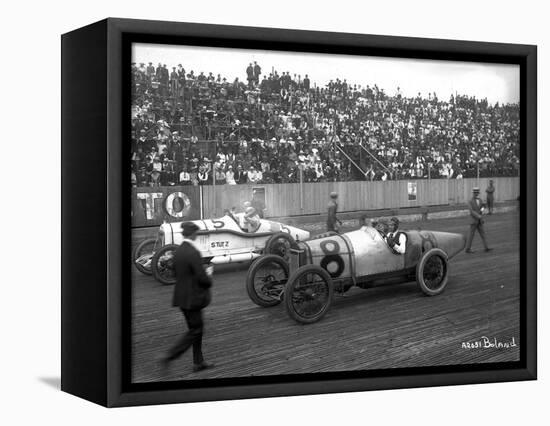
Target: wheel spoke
[269, 281]
[143, 254]
[310, 295]
[281, 247]
[166, 265]
[434, 272]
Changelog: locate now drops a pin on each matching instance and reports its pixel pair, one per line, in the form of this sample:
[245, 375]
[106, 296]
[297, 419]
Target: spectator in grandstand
[230, 176]
[142, 177]
[156, 171]
[417, 137]
[240, 175]
[184, 177]
[254, 175]
[257, 73]
[193, 173]
[150, 70]
[250, 75]
[174, 79]
[203, 175]
[219, 176]
[306, 83]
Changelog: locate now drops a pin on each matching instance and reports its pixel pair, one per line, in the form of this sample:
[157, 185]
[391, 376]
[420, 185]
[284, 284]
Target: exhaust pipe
[233, 258]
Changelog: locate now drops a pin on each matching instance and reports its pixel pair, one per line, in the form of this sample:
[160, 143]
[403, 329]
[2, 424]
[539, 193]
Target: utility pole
[214, 179]
[301, 189]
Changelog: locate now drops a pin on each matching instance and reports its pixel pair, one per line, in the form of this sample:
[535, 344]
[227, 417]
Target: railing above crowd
[201, 130]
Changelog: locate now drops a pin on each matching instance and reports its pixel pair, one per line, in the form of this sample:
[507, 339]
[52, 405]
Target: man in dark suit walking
[332, 221]
[476, 221]
[191, 295]
[490, 191]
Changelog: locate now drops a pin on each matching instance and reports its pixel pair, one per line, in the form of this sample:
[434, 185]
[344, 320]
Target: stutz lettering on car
[219, 244]
[332, 262]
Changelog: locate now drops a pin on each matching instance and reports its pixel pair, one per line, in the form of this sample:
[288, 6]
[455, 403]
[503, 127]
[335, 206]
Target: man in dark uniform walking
[476, 221]
[490, 191]
[191, 295]
[258, 203]
[332, 220]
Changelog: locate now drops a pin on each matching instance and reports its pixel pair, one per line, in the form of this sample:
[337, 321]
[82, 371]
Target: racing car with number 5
[222, 240]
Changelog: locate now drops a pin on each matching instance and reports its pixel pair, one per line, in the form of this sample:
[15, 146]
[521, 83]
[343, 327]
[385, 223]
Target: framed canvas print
[277, 212]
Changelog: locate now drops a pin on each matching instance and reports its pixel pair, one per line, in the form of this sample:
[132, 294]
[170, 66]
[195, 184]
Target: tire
[163, 265]
[432, 272]
[146, 247]
[309, 284]
[266, 280]
[280, 245]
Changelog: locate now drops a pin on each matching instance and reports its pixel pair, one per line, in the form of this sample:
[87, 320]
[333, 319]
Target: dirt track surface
[384, 327]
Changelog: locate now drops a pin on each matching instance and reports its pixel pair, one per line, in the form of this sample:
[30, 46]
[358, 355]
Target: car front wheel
[143, 255]
[308, 294]
[280, 244]
[266, 279]
[432, 272]
[163, 264]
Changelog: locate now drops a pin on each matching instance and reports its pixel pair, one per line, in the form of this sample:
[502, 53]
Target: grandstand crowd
[196, 129]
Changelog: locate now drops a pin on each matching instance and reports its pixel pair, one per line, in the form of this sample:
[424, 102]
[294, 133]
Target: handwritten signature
[485, 342]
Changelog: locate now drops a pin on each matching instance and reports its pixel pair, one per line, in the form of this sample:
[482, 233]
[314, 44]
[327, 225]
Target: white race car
[224, 240]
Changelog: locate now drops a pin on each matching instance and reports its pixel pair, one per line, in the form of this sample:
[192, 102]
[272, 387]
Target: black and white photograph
[283, 213]
[297, 213]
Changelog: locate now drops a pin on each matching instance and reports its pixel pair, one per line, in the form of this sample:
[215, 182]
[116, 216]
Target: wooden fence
[312, 198]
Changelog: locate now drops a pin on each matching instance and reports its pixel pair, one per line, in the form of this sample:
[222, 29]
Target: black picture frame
[95, 260]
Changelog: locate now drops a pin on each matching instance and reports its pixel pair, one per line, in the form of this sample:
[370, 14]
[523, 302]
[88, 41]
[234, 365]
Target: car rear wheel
[432, 272]
[266, 279]
[280, 245]
[143, 255]
[308, 294]
[163, 265]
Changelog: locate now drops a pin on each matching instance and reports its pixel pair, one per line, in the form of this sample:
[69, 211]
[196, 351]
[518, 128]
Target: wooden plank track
[385, 327]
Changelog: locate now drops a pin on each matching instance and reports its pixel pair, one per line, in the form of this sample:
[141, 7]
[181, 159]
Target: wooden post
[201, 202]
[213, 169]
[301, 189]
